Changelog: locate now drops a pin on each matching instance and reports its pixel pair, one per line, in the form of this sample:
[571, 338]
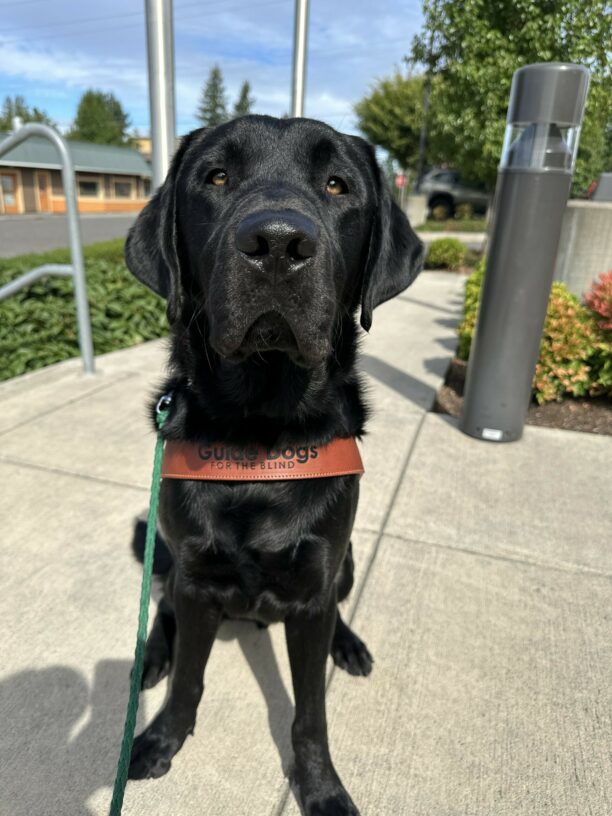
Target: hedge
[446, 253]
[38, 324]
[575, 352]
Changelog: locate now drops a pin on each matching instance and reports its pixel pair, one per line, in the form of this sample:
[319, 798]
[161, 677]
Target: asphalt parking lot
[37, 233]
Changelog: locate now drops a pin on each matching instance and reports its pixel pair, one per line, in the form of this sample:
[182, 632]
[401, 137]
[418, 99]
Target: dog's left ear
[151, 250]
[395, 255]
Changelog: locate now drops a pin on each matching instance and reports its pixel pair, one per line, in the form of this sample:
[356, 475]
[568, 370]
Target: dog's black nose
[285, 235]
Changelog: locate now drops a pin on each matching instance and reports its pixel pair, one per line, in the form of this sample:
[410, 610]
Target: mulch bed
[588, 415]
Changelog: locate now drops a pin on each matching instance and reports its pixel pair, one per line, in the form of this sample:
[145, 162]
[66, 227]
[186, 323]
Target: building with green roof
[109, 178]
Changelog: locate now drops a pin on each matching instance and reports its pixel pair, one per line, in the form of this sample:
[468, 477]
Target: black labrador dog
[266, 238]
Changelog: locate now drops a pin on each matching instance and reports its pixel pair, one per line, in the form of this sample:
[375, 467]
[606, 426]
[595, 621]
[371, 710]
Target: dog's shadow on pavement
[60, 738]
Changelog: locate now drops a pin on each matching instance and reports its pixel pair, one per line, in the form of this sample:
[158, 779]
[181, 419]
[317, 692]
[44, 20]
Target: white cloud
[69, 68]
[351, 42]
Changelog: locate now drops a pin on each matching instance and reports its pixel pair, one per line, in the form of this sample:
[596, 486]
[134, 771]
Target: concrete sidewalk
[484, 588]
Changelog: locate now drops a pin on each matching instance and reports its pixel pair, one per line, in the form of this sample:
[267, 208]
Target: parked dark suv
[445, 191]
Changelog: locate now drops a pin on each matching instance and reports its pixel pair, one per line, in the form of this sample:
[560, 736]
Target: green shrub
[569, 342]
[575, 352]
[601, 362]
[38, 324]
[471, 300]
[464, 212]
[445, 253]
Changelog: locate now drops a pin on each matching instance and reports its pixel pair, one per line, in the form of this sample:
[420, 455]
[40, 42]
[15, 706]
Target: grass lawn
[454, 225]
[38, 324]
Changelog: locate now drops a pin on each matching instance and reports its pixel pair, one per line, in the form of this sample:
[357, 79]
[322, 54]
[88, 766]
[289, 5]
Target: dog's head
[271, 229]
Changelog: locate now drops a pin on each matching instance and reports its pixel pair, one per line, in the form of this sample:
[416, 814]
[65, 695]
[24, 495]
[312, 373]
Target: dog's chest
[258, 550]
[252, 578]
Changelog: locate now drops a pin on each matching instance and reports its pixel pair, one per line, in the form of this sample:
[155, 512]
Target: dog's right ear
[151, 250]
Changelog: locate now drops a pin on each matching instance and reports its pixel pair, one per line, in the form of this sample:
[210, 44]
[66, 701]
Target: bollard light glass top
[543, 129]
[540, 146]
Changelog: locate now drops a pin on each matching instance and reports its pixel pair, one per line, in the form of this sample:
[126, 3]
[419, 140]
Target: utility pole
[426, 95]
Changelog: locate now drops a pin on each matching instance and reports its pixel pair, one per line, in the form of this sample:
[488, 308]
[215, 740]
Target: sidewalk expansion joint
[48, 411]
[385, 520]
[557, 566]
[9, 460]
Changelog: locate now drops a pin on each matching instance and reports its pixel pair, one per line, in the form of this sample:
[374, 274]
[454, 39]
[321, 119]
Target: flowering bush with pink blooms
[599, 299]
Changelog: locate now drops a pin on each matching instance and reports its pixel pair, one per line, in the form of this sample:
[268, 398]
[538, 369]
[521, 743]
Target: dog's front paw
[152, 754]
[338, 804]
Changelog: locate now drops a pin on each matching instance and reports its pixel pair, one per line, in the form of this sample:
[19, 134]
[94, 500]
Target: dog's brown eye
[335, 186]
[218, 178]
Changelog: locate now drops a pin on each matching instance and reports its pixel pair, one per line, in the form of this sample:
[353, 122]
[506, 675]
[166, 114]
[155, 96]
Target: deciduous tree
[475, 46]
[391, 116]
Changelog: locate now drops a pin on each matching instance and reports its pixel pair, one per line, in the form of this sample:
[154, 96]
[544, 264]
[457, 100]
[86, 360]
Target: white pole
[160, 52]
[300, 47]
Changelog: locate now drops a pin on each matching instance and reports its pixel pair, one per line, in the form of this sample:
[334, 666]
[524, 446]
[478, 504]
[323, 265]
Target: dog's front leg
[196, 623]
[321, 792]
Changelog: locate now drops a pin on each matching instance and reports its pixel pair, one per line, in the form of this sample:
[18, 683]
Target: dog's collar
[246, 463]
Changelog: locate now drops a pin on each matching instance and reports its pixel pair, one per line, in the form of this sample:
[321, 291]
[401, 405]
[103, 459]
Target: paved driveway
[37, 233]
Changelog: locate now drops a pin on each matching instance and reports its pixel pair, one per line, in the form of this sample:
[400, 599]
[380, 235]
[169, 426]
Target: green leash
[162, 411]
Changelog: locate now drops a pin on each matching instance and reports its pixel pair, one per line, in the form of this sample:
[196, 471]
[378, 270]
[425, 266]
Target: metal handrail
[76, 269]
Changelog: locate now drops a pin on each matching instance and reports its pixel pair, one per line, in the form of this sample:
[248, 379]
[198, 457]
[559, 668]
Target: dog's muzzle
[274, 292]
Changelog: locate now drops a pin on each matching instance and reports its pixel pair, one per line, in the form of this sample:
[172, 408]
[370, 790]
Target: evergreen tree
[212, 110]
[17, 106]
[100, 118]
[245, 103]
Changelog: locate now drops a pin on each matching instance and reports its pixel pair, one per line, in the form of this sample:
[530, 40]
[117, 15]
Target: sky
[53, 50]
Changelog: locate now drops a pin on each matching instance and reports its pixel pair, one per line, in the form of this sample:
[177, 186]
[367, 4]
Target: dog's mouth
[270, 332]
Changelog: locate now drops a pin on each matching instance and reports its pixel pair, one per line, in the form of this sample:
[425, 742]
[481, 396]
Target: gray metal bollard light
[544, 116]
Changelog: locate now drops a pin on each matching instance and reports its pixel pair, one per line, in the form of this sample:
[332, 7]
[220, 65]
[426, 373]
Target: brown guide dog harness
[245, 463]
